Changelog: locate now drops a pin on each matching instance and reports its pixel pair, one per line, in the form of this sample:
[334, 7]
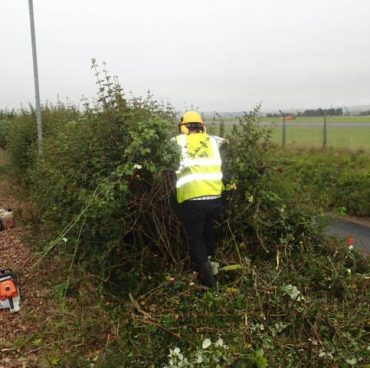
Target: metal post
[283, 139]
[325, 132]
[36, 78]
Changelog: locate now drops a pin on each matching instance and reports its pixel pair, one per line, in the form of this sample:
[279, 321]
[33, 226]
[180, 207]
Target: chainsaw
[9, 292]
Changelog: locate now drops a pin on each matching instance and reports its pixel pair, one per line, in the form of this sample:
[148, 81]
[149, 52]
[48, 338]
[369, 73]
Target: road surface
[359, 230]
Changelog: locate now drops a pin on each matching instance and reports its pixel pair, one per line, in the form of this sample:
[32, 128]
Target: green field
[320, 119]
[339, 138]
[348, 138]
[305, 119]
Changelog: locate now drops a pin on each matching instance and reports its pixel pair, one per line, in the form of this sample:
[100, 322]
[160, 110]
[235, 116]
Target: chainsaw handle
[8, 271]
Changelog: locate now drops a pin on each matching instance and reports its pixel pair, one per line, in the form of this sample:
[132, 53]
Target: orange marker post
[350, 241]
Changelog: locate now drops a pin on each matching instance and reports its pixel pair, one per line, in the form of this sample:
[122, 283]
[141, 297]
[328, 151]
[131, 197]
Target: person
[199, 190]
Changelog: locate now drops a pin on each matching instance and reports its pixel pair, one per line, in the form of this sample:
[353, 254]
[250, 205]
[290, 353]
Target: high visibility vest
[200, 172]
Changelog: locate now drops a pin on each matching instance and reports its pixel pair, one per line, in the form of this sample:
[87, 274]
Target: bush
[332, 180]
[264, 208]
[105, 181]
[21, 136]
[5, 116]
[3, 128]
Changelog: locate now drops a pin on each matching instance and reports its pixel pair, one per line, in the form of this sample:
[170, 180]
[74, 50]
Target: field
[319, 119]
[310, 119]
[339, 138]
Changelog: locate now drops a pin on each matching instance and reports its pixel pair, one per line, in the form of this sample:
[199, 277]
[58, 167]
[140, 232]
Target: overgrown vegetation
[20, 135]
[5, 116]
[104, 189]
[336, 180]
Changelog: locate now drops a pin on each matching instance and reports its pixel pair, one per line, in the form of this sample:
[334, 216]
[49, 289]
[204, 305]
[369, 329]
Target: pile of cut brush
[301, 308]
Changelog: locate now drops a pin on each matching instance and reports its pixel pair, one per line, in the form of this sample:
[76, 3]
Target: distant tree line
[275, 115]
[318, 112]
[311, 112]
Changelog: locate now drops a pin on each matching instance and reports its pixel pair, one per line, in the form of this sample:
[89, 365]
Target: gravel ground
[19, 327]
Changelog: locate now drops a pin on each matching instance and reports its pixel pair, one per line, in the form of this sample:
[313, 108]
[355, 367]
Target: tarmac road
[359, 230]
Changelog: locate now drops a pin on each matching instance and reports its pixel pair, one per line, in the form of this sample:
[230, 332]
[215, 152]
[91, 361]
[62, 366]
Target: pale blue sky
[224, 55]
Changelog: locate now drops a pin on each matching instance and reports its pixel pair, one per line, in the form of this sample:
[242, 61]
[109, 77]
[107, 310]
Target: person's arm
[220, 141]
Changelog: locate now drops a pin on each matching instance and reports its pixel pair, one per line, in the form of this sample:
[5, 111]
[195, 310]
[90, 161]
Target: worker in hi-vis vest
[199, 188]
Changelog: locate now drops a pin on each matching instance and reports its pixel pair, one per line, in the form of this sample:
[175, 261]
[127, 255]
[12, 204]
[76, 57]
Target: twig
[4, 350]
[45, 346]
[277, 260]
[138, 308]
[149, 319]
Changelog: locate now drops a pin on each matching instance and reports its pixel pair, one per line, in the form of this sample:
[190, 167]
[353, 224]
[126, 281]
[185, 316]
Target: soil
[19, 327]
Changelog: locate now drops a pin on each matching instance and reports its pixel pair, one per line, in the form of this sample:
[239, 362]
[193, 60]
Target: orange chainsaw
[9, 292]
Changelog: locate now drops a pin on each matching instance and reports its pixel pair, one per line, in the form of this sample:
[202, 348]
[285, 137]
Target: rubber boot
[206, 276]
[215, 266]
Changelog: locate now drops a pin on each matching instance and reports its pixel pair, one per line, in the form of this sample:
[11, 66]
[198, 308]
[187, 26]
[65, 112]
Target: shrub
[332, 180]
[3, 128]
[21, 136]
[105, 181]
[5, 116]
[264, 208]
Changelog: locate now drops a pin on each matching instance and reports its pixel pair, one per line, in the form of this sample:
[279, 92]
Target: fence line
[325, 134]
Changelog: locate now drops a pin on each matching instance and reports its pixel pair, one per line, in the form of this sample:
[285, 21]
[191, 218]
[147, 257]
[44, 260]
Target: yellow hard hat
[190, 117]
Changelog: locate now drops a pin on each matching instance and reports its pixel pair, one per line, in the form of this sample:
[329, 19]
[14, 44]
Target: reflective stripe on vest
[200, 172]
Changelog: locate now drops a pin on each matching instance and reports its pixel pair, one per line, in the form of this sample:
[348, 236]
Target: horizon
[209, 54]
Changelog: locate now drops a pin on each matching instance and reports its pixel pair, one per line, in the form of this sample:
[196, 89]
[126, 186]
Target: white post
[36, 78]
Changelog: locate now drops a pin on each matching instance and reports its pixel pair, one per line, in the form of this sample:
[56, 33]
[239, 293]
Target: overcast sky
[223, 55]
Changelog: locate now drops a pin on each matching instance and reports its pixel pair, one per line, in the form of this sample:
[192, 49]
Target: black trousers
[198, 218]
